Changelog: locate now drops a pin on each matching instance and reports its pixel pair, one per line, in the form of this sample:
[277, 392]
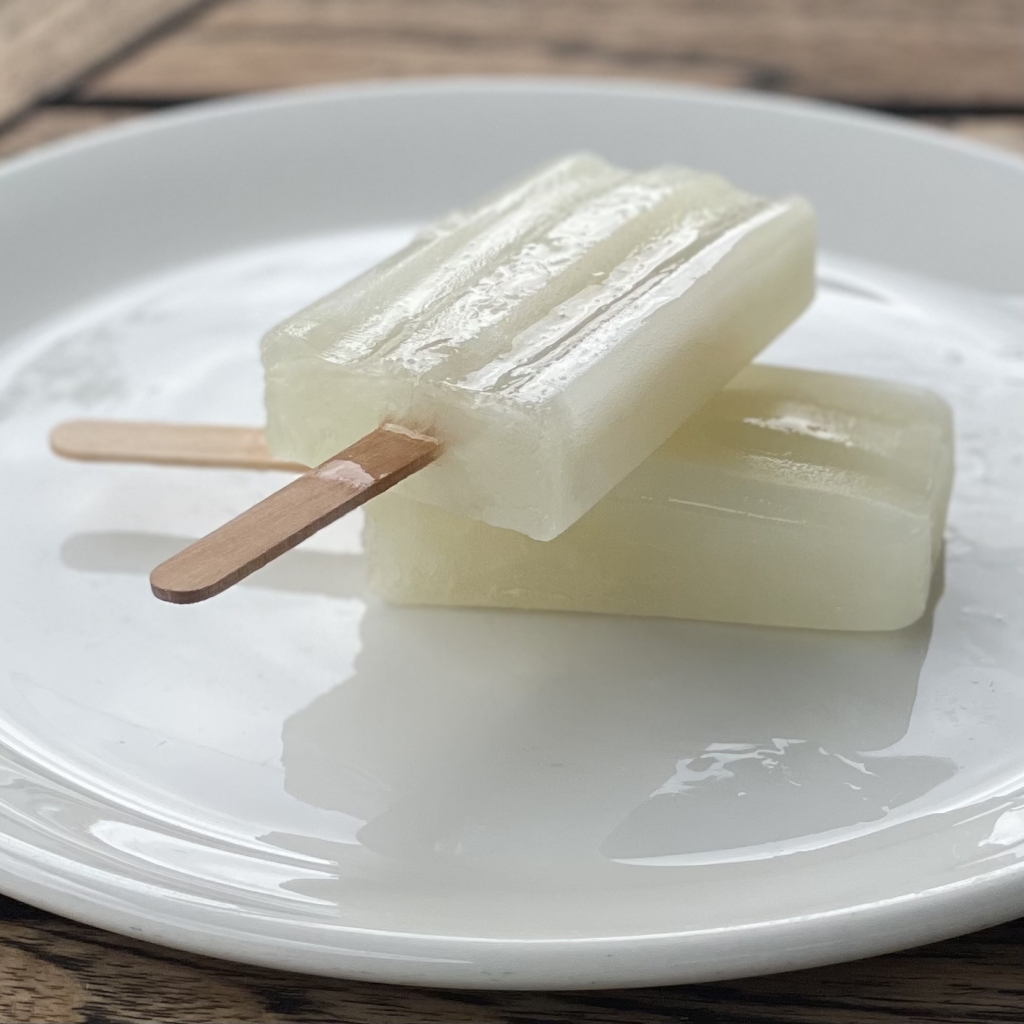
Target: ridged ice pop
[791, 499]
[551, 338]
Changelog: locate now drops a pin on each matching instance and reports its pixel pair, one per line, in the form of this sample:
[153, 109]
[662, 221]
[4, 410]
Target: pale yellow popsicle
[551, 337]
[791, 499]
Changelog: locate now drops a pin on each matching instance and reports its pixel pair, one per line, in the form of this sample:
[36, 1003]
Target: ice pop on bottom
[550, 338]
[791, 499]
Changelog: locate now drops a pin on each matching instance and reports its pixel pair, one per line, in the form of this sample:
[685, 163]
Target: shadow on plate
[477, 733]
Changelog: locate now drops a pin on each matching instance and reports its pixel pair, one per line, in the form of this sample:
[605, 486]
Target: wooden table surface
[71, 65]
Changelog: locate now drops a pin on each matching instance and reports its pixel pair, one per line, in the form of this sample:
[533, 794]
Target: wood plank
[45, 45]
[53, 969]
[933, 53]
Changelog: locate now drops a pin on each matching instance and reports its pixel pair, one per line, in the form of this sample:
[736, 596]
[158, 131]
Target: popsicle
[792, 498]
[551, 338]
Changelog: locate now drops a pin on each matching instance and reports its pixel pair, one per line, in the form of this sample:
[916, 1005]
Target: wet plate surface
[294, 774]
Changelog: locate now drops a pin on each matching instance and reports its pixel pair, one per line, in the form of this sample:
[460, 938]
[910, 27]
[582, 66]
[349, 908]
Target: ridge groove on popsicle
[288, 516]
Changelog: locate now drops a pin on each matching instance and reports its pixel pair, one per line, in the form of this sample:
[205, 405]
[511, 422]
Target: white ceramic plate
[296, 776]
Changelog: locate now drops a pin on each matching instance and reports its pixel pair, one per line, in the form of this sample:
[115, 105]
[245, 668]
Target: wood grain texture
[52, 969]
[166, 444]
[45, 45]
[882, 52]
[381, 459]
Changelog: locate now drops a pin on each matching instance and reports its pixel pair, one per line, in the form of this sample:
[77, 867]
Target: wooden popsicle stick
[169, 444]
[276, 524]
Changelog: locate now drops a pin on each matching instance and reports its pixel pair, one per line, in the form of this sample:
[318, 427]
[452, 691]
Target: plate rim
[522, 964]
[209, 109]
